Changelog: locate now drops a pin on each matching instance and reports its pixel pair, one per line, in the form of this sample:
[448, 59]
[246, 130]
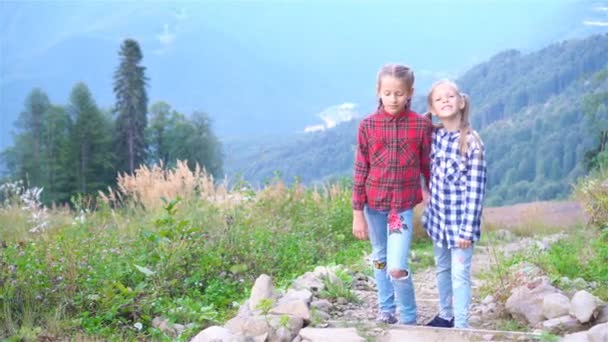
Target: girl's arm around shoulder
[476, 147]
[425, 150]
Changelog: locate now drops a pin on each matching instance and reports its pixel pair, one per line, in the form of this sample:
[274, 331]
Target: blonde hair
[400, 72]
[465, 124]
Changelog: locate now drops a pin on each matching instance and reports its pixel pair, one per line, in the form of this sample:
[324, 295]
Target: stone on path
[330, 335]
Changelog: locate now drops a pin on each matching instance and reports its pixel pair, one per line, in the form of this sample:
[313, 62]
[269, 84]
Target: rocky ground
[301, 314]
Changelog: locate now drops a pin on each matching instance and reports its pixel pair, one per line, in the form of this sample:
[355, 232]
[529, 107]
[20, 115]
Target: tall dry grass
[148, 186]
[592, 192]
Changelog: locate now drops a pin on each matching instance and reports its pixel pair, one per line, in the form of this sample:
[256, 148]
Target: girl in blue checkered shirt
[453, 214]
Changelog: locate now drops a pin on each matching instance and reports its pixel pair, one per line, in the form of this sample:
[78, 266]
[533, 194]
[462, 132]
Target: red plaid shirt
[392, 152]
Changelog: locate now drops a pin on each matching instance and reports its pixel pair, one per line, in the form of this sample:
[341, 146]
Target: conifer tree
[131, 106]
[25, 160]
[91, 142]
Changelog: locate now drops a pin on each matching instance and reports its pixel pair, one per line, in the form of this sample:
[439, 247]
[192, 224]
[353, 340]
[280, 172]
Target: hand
[463, 244]
[359, 225]
[426, 197]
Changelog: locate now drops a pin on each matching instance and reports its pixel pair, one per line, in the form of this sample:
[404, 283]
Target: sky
[266, 67]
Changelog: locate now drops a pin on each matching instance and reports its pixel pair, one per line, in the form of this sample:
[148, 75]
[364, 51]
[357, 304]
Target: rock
[563, 324]
[579, 284]
[292, 295]
[576, 337]
[249, 326]
[260, 338]
[330, 335]
[262, 289]
[542, 245]
[602, 316]
[489, 309]
[505, 235]
[583, 305]
[341, 301]
[321, 304]
[213, 333]
[598, 333]
[308, 281]
[179, 328]
[489, 299]
[244, 310]
[163, 325]
[296, 308]
[281, 335]
[526, 305]
[318, 316]
[565, 282]
[555, 305]
[474, 320]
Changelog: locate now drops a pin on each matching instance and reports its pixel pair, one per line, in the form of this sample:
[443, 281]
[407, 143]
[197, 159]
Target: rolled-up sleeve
[475, 191]
[361, 169]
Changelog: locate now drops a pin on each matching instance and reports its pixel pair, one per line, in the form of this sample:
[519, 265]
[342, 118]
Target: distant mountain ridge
[528, 108]
[260, 68]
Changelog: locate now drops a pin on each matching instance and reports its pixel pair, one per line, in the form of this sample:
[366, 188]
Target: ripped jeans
[390, 253]
[453, 268]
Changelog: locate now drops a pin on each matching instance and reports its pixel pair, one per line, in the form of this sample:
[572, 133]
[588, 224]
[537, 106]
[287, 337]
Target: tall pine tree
[26, 159]
[173, 136]
[92, 156]
[131, 106]
[207, 149]
[56, 138]
[159, 131]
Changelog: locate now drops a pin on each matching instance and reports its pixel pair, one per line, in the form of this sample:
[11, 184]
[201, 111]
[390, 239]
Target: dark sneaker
[441, 323]
[386, 317]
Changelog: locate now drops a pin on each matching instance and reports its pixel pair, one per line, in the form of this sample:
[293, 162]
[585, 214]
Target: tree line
[79, 148]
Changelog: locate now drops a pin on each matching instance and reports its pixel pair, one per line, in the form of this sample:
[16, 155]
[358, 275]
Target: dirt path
[560, 214]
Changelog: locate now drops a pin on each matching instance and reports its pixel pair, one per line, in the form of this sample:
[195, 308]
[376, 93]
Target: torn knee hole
[397, 274]
[379, 264]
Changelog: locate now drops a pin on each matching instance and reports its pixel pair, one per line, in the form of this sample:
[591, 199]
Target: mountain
[528, 108]
[264, 67]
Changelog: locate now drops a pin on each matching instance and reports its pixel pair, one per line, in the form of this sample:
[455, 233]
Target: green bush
[107, 273]
[592, 192]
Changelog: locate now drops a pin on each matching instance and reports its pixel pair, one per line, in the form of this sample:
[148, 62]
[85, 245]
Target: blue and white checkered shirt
[457, 189]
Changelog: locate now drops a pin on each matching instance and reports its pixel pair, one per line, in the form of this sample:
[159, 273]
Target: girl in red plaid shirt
[393, 148]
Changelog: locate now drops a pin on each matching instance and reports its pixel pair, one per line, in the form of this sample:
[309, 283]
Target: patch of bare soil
[555, 214]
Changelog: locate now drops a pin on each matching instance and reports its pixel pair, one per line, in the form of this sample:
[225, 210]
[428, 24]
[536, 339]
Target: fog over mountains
[266, 67]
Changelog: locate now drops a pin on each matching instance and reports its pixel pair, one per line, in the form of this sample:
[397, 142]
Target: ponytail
[465, 127]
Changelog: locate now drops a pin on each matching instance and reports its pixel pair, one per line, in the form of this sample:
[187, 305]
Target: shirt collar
[390, 117]
[443, 133]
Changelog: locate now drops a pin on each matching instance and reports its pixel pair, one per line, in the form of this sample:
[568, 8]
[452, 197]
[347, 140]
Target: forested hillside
[539, 114]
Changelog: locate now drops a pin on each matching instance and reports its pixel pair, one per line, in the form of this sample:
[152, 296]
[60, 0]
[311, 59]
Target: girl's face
[394, 94]
[446, 102]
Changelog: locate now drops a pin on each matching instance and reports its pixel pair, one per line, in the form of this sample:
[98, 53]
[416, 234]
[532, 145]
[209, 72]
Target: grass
[511, 325]
[107, 267]
[153, 247]
[581, 252]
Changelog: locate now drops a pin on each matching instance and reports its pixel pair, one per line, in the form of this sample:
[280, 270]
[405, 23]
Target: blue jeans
[453, 269]
[391, 252]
